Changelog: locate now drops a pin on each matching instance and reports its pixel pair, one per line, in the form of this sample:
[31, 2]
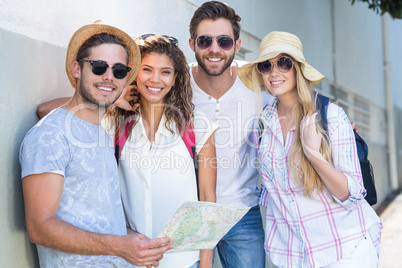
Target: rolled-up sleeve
[344, 154]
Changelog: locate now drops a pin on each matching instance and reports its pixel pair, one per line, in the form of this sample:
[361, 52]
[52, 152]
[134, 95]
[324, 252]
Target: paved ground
[391, 242]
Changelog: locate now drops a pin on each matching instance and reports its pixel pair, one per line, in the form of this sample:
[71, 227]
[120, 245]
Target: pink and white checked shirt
[305, 232]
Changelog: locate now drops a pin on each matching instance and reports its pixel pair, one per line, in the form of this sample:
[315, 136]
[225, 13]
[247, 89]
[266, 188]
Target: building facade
[358, 51]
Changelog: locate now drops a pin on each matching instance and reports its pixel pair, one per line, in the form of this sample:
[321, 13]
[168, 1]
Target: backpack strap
[261, 127]
[188, 137]
[321, 103]
[120, 140]
[362, 148]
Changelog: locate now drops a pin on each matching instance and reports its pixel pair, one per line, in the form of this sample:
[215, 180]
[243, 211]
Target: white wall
[310, 20]
[34, 35]
[395, 41]
[27, 78]
[359, 51]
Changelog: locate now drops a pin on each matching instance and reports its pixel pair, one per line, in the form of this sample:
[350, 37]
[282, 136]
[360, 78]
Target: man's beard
[89, 99]
[215, 73]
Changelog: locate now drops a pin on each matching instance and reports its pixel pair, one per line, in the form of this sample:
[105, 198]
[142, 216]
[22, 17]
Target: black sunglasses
[284, 65]
[171, 39]
[205, 41]
[99, 67]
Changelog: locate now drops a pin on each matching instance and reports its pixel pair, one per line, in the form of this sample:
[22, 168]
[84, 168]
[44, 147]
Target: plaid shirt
[312, 232]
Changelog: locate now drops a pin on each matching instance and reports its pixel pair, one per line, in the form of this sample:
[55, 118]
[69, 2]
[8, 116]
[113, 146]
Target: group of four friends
[84, 210]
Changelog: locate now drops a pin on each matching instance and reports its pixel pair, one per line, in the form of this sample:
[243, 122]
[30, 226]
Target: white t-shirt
[156, 179]
[235, 113]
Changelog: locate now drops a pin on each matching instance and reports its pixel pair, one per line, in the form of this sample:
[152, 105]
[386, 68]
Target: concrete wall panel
[34, 35]
[359, 50]
[33, 72]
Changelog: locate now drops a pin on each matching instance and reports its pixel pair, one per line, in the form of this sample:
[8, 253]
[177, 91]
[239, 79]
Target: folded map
[200, 225]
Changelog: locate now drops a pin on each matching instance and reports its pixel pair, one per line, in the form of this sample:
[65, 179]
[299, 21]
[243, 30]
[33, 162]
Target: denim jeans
[243, 245]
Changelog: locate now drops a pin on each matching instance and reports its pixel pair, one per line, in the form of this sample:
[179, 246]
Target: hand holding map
[200, 225]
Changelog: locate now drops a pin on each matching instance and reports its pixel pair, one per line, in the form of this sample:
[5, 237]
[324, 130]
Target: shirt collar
[139, 128]
[162, 128]
[272, 117]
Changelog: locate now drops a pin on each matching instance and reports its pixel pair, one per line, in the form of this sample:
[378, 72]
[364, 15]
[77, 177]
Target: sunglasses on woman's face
[99, 67]
[205, 41]
[172, 39]
[284, 65]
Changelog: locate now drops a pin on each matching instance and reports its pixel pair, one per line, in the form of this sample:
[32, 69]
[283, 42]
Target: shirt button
[217, 101]
[216, 118]
[217, 110]
[209, 97]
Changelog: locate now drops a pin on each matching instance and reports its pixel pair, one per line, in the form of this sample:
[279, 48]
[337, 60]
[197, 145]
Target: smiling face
[279, 83]
[100, 90]
[214, 60]
[155, 78]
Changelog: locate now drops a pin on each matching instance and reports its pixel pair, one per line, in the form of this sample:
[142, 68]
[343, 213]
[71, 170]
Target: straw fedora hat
[272, 45]
[98, 27]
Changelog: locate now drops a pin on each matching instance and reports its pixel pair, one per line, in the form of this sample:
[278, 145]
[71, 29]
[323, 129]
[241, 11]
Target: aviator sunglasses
[284, 65]
[224, 42]
[172, 39]
[99, 67]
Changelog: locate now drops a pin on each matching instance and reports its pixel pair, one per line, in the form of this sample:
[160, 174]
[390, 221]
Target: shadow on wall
[398, 122]
[16, 201]
[31, 72]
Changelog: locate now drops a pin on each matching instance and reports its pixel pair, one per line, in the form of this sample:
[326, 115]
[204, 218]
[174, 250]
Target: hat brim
[246, 71]
[86, 32]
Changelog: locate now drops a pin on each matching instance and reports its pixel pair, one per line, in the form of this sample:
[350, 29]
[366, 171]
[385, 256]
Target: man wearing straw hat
[69, 175]
[214, 30]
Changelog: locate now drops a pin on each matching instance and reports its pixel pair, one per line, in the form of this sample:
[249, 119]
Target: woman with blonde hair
[311, 182]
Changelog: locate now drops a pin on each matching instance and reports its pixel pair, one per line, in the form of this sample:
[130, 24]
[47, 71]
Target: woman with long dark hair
[157, 171]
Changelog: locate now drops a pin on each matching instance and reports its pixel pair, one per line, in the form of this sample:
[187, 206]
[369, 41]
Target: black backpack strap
[362, 148]
[117, 153]
[195, 162]
[188, 137]
[321, 103]
[261, 127]
[260, 130]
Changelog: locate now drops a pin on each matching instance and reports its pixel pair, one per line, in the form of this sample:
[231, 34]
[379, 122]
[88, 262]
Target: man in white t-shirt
[214, 30]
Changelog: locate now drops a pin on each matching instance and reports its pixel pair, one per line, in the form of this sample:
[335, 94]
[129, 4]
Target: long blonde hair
[301, 170]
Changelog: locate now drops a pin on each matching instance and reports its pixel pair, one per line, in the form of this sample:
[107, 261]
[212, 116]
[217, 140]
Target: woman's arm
[207, 171]
[47, 107]
[129, 95]
[207, 185]
[334, 180]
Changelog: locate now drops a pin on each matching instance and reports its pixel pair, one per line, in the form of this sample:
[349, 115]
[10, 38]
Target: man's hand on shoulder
[129, 99]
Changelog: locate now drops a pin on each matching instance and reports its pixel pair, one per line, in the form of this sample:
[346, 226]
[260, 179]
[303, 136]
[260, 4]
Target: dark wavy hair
[214, 10]
[178, 106]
